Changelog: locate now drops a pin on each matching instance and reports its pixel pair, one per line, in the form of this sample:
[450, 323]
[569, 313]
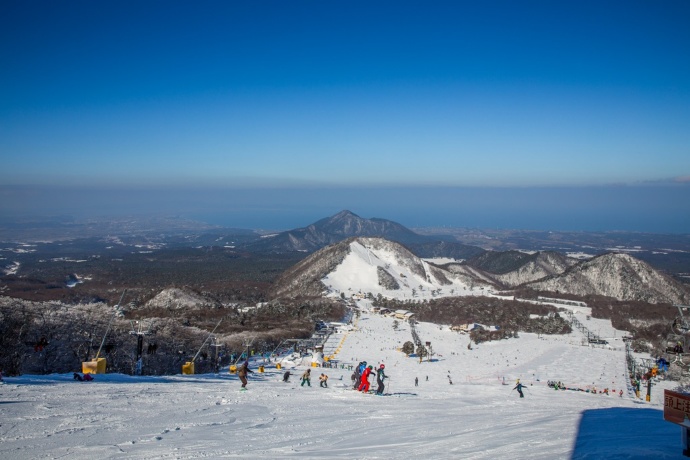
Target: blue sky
[306, 108]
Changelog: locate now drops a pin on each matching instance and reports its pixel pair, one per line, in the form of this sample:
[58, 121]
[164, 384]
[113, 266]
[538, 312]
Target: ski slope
[475, 417]
[357, 273]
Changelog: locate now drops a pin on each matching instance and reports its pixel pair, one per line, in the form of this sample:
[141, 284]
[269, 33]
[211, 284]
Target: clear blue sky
[332, 105]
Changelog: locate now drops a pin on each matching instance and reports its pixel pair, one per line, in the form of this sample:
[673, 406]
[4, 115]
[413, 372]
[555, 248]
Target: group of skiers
[360, 377]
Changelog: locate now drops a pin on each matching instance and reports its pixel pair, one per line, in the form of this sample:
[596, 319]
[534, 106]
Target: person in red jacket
[364, 382]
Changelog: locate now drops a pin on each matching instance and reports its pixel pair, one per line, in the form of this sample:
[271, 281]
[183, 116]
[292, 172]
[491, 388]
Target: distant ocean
[653, 208]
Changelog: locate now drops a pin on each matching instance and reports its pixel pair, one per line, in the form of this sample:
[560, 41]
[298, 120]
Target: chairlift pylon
[680, 325]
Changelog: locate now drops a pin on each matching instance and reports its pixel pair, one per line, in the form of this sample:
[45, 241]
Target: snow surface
[475, 417]
[357, 273]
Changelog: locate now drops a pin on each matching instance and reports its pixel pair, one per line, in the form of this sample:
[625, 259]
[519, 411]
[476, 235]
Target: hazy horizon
[651, 208]
[534, 115]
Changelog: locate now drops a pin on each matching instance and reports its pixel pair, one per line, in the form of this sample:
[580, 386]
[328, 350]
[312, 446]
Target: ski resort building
[473, 327]
[403, 314]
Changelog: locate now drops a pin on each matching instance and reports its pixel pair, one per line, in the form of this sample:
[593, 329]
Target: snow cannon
[233, 369]
[278, 366]
[261, 369]
[188, 368]
[317, 358]
[95, 366]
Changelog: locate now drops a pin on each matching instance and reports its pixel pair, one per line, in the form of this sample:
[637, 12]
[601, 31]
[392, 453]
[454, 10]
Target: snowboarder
[519, 388]
[364, 382]
[380, 376]
[323, 381]
[416, 382]
[242, 374]
[286, 376]
[306, 378]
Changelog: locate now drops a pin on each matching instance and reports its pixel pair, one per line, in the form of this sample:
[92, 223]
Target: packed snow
[464, 405]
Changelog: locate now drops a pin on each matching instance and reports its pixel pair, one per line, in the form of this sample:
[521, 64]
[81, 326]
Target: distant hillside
[378, 266]
[334, 229]
[620, 276]
[371, 265]
[512, 268]
[536, 267]
[304, 278]
[432, 249]
[500, 262]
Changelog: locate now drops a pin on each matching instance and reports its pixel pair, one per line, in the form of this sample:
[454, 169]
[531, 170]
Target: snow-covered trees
[408, 348]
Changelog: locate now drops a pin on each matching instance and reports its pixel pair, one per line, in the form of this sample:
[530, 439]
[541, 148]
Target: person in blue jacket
[519, 388]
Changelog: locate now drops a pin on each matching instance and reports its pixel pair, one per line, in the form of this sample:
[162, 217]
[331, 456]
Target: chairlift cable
[209, 336]
[110, 324]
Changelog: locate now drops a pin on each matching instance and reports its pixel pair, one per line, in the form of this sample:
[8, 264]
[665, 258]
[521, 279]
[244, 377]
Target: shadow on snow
[626, 433]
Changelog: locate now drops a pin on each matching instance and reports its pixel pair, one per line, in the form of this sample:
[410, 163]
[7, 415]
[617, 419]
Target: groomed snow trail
[477, 417]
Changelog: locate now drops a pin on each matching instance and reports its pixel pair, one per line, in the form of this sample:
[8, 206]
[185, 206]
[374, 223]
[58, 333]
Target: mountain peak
[344, 213]
[338, 227]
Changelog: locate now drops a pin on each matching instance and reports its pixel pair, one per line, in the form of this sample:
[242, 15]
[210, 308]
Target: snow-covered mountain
[379, 266]
[513, 268]
[372, 265]
[174, 299]
[616, 275]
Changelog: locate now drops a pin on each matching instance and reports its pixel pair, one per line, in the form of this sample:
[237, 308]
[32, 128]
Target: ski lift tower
[246, 344]
[680, 324]
[140, 332]
[216, 354]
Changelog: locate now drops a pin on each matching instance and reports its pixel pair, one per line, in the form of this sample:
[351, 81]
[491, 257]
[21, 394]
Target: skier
[358, 374]
[306, 378]
[242, 374]
[286, 376]
[323, 381]
[364, 385]
[416, 382]
[519, 388]
[380, 376]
